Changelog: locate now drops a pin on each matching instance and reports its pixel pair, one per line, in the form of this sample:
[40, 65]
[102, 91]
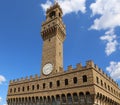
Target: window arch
[19, 89]
[105, 85]
[84, 78]
[53, 100]
[75, 80]
[43, 85]
[75, 97]
[58, 99]
[63, 98]
[101, 83]
[52, 14]
[58, 83]
[33, 87]
[10, 90]
[108, 87]
[111, 89]
[88, 98]
[59, 14]
[28, 88]
[66, 81]
[97, 80]
[82, 98]
[14, 90]
[23, 89]
[50, 84]
[69, 99]
[38, 86]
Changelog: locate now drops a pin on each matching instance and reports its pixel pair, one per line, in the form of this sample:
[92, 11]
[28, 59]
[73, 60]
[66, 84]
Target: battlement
[26, 79]
[56, 5]
[89, 64]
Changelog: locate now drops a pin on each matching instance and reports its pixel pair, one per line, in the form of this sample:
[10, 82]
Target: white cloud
[111, 42]
[68, 6]
[46, 5]
[114, 70]
[0, 99]
[2, 79]
[109, 11]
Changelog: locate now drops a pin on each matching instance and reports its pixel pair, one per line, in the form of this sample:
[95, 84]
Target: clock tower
[53, 34]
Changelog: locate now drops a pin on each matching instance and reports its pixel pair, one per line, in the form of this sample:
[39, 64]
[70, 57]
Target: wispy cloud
[109, 11]
[111, 42]
[68, 6]
[0, 99]
[114, 69]
[2, 79]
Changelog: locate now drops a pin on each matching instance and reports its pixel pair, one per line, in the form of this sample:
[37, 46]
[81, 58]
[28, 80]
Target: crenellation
[26, 78]
[70, 68]
[90, 63]
[96, 67]
[103, 72]
[53, 7]
[78, 66]
[36, 76]
[22, 79]
[100, 70]
[31, 77]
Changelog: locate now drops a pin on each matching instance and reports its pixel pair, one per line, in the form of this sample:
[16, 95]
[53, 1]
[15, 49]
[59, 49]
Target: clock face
[47, 69]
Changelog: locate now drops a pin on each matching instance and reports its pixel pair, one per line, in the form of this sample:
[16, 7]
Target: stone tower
[53, 34]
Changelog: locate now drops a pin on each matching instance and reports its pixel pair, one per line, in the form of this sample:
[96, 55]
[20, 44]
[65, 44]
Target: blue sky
[93, 33]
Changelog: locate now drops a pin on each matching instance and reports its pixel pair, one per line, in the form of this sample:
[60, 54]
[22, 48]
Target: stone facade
[83, 85]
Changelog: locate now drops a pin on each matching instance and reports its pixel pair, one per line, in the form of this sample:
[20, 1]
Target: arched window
[101, 83]
[23, 89]
[41, 101]
[59, 15]
[28, 88]
[50, 84]
[38, 87]
[63, 99]
[14, 90]
[88, 98]
[84, 78]
[66, 81]
[45, 100]
[114, 92]
[19, 89]
[52, 14]
[33, 87]
[58, 83]
[43, 85]
[75, 80]
[36, 98]
[10, 90]
[105, 85]
[97, 80]
[53, 100]
[75, 97]
[69, 99]
[22, 99]
[58, 99]
[82, 98]
[108, 87]
[111, 89]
